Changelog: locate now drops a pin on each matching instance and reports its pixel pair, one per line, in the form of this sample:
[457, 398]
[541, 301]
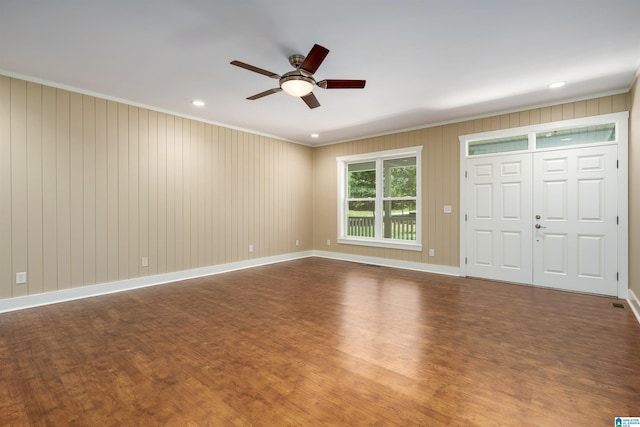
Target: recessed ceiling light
[198, 103]
[557, 85]
[314, 135]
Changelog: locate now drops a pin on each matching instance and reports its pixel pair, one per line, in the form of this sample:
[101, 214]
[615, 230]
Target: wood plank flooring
[322, 342]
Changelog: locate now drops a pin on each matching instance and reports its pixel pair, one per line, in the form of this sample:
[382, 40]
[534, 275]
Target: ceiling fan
[300, 82]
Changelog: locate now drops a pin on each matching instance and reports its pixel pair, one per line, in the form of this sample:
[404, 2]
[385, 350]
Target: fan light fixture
[300, 82]
[297, 85]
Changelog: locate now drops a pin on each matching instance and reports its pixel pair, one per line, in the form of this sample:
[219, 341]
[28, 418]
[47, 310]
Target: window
[576, 136]
[379, 199]
[549, 136]
[499, 145]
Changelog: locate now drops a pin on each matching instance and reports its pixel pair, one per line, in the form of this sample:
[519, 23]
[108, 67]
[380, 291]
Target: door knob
[539, 226]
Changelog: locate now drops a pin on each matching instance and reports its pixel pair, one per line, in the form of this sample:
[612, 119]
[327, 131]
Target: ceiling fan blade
[255, 69]
[314, 58]
[342, 84]
[311, 100]
[265, 93]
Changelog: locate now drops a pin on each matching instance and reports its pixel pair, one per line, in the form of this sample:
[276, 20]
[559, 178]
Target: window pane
[576, 136]
[362, 180]
[499, 145]
[399, 221]
[361, 219]
[400, 177]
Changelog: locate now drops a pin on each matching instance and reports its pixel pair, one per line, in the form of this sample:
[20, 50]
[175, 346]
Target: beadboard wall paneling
[634, 188]
[440, 176]
[18, 195]
[6, 207]
[88, 187]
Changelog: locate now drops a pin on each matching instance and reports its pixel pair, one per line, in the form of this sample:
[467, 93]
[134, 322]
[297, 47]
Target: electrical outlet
[297, 242]
[432, 252]
[145, 261]
[447, 209]
[250, 249]
[328, 242]
[21, 278]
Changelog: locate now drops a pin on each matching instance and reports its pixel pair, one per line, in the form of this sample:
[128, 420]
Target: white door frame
[622, 141]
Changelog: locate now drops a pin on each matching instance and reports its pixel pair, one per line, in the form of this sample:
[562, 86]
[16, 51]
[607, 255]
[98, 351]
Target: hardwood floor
[322, 342]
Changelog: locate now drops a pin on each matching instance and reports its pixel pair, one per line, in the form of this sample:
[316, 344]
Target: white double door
[545, 218]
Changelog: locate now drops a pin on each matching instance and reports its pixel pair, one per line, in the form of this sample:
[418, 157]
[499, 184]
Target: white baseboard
[634, 303]
[386, 262]
[29, 301]
[19, 303]
[36, 300]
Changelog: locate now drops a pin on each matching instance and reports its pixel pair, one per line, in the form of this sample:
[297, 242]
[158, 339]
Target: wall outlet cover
[21, 278]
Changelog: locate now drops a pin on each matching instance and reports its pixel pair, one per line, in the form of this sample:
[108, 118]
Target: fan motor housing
[296, 60]
[297, 75]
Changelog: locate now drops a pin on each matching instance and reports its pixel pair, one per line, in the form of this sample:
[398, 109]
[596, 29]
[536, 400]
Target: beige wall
[88, 187]
[440, 176]
[634, 188]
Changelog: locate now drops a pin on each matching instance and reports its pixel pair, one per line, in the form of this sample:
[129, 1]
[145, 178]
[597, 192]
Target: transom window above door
[498, 145]
[576, 136]
[587, 131]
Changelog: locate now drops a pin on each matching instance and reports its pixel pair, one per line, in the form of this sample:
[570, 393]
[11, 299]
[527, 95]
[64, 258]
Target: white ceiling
[425, 62]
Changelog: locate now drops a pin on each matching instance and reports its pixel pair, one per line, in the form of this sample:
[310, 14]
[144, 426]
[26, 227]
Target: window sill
[389, 244]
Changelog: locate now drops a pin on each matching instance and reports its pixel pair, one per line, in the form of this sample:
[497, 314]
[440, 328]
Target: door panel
[575, 194]
[591, 248]
[499, 235]
[555, 200]
[555, 259]
[484, 201]
[511, 249]
[484, 248]
[591, 200]
[570, 194]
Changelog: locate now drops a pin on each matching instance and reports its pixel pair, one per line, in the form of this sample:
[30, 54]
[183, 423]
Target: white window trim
[342, 161]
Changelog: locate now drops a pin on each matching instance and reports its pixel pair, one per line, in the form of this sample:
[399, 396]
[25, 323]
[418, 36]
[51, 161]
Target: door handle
[539, 226]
